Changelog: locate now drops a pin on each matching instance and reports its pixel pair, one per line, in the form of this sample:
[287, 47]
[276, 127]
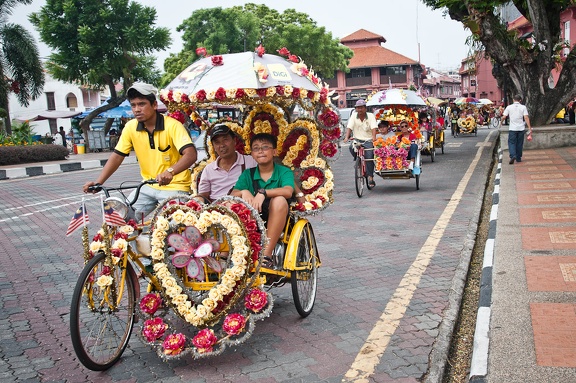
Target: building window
[71, 101]
[360, 72]
[393, 70]
[472, 82]
[50, 101]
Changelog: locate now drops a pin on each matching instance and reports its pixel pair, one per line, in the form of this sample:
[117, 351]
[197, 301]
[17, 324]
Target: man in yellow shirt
[163, 146]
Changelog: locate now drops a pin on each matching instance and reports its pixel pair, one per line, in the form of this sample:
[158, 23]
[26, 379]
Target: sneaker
[416, 171]
[512, 160]
[411, 166]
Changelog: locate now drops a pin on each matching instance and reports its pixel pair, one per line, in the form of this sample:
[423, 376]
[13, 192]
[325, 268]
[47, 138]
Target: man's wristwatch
[170, 170]
[262, 191]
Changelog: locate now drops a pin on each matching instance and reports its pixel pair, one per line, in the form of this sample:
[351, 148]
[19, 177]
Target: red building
[477, 79]
[373, 68]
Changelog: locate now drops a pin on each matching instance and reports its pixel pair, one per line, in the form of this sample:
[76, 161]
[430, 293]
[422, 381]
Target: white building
[58, 99]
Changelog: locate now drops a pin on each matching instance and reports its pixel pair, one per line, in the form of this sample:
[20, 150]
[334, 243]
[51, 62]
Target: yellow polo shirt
[157, 151]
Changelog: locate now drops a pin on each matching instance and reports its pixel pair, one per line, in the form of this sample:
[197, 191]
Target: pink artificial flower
[261, 92]
[234, 324]
[205, 340]
[178, 115]
[150, 303]
[283, 52]
[201, 95]
[174, 344]
[220, 94]
[260, 50]
[201, 51]
[293, 58]
[154, 329]
[256, 300]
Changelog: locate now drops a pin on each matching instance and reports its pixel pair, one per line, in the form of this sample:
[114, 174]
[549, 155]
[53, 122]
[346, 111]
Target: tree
[243, 28]
[526, 66]
[101, 43]
[20, 66]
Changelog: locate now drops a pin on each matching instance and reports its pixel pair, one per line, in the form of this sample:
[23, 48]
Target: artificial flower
[256, 300]
[201, 51]
[205, 340]
[154, 329]
[174, 344]
[150, 303]
[217, 60]
[234, 324]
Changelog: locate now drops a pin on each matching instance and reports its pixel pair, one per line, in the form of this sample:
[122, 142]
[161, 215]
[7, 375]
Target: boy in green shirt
[267, 188]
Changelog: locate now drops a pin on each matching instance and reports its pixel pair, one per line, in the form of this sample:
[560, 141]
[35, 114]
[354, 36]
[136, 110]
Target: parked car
[345, 114]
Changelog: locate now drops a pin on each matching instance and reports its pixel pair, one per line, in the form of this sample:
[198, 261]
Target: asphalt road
[393, 264]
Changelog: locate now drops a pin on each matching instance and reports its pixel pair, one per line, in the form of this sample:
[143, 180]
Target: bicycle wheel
[495, 123]
[100, 333]
[304, 279]
[359, 177]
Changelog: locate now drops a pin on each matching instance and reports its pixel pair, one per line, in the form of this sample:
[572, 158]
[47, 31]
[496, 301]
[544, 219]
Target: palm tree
[21, 70]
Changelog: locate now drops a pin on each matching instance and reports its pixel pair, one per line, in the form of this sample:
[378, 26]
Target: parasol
[241, 78]
[396, 97]
[485, 101]
[466, 100]
[436, 101]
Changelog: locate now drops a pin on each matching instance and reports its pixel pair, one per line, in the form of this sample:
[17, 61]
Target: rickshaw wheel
[359, 177]
[442, 147]
[99, 333]
[304, 278]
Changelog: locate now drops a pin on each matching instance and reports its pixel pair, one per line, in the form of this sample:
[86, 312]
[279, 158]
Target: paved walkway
[531, 331]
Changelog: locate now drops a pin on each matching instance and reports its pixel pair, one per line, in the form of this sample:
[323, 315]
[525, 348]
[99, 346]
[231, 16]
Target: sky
[409, 27]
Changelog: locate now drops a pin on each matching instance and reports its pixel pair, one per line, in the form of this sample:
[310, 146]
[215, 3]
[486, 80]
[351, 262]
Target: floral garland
[391, 153]
[299, 148]
[398, 113]
[467, 124]
[268, 118]
[235, 298]
[317, 184]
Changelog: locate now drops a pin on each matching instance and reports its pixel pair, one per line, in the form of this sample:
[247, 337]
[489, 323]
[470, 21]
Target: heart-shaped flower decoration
[205, 259]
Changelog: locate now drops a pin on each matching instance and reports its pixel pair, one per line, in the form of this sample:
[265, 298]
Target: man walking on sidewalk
[518, 120]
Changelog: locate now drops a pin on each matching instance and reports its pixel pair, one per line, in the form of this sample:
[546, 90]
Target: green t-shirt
[281, 176]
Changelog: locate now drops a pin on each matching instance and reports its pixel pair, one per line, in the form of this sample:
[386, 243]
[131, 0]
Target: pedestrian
[518, 115]
[164, 149]
[62, 133]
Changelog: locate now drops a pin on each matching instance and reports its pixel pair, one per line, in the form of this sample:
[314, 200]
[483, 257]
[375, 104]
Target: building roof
[518, 23]
[362, 35]
[375, 56]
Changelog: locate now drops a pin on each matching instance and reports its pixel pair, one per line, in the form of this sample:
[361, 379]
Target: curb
[479, 364]
[31, 171]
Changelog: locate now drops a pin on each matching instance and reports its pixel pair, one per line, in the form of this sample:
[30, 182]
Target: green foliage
[243, 28]
[13, 155]
[22, 134]
[99, 43]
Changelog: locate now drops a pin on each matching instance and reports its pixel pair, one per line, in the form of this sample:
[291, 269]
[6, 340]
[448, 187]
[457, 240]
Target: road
[392, 267]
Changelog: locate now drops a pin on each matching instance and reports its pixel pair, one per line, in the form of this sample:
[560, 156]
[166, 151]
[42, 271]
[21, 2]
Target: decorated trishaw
[468, 120]
[207, 284]
[391, 154]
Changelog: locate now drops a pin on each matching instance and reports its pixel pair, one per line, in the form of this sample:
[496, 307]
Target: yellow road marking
[370, 353]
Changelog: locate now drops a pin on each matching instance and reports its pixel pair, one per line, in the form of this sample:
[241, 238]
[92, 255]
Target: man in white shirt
[518, 120]
[362, 126]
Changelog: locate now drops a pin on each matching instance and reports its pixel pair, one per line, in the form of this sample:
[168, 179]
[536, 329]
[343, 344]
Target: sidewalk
[532, 318]
[73, 163]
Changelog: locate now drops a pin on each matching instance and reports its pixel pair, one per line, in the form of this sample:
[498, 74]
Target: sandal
[371, 183]
[267, 262]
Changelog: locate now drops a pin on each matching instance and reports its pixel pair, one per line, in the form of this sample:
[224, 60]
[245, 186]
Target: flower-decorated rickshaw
[391, 154]
[468, 120]
[208, 285]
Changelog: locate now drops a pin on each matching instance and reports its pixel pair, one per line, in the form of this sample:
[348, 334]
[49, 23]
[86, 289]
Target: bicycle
[104, 305]
[360, 176]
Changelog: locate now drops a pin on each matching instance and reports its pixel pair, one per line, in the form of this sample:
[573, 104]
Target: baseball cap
[360, 102]
[219, 129]
[143, 88]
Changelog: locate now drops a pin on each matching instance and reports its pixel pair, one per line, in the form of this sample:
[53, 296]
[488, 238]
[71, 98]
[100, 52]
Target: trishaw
[468, 120]
[202, 263]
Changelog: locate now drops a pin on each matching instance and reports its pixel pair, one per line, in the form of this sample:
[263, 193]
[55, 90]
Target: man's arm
[188, 159]
[527, 119]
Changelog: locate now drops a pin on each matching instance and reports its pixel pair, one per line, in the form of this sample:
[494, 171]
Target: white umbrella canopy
[396, 97]
[245, 71]
[485, 101]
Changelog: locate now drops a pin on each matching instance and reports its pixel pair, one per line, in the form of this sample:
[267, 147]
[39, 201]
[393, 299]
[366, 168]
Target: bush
[13, 155]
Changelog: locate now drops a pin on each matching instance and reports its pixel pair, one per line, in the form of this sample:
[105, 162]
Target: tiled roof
[518, 23]
[376, 57]
[362, 35]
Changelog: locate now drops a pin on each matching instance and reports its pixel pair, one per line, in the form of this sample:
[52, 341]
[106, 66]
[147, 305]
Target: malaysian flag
[112, 217]
[80, 219]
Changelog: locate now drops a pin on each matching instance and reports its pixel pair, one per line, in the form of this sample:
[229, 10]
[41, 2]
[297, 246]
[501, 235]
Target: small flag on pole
[80, 219]
[112, 217]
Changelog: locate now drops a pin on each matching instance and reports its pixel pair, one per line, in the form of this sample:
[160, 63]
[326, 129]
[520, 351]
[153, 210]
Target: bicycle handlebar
[98, 187]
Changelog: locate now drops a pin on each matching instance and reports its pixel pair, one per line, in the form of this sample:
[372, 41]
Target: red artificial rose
[178, 115]
[117, 252]
[240, 93]
[201, 95]
[220, 94]
[329, 118]
[293, 58]
[328, 149]
[170, 95]
[185, 98]
[261, 92]
[198, 122]
[295, 92]
[280, 90]
[217, 60]
[201, 51]
[283, 52]
[310, 94]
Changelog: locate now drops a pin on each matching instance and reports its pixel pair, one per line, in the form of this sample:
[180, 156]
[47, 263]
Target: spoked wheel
[100, 332]
[304, 278]
[495, 123]
[359, 177]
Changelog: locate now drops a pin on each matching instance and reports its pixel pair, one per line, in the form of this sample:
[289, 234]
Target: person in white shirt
[362, 126]
[518, 120]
